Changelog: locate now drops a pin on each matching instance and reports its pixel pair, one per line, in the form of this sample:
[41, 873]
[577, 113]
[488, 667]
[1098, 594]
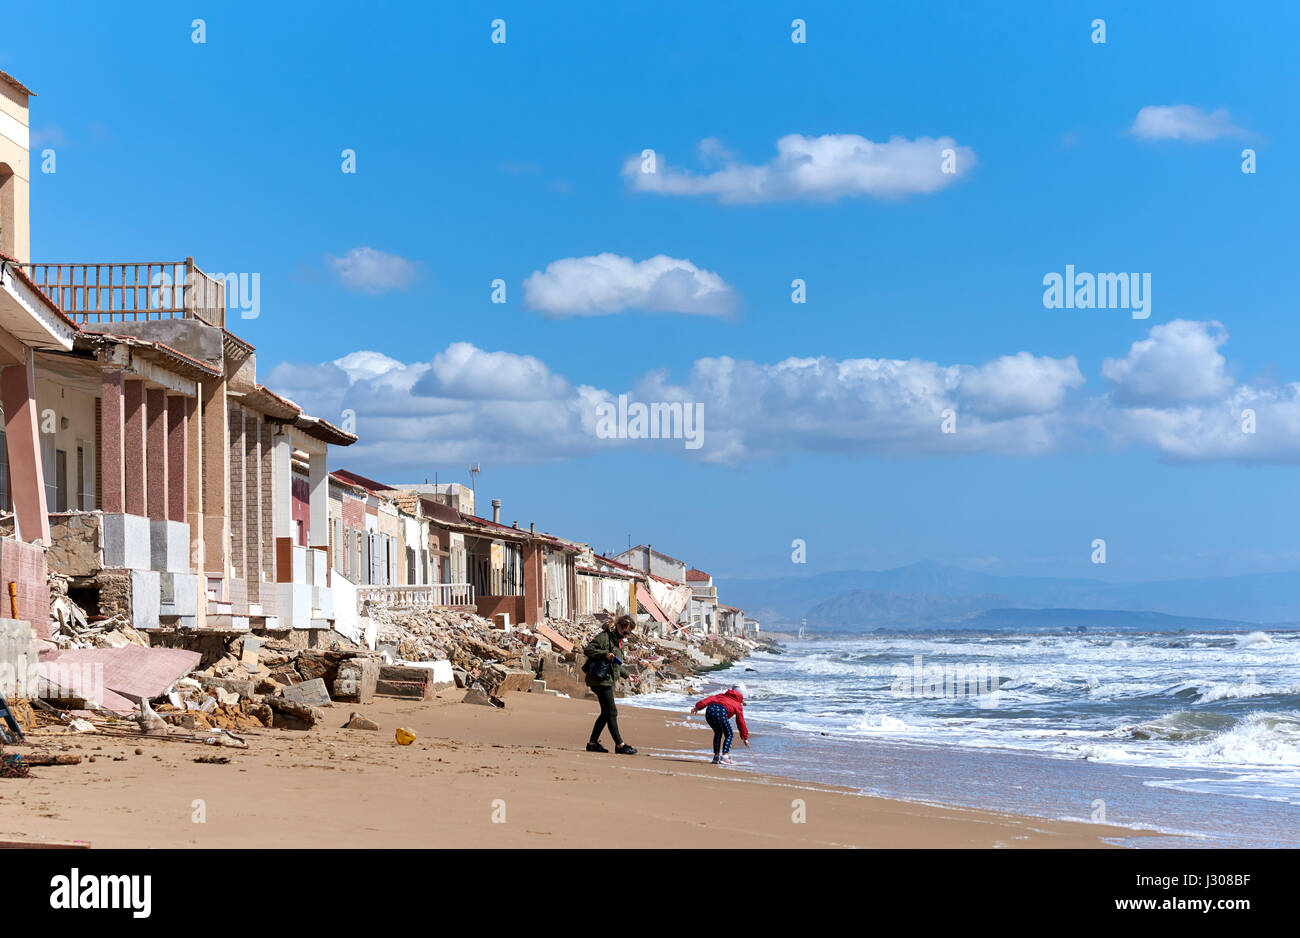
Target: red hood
[737, 695]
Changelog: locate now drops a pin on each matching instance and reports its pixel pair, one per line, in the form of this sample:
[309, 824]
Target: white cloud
[609, 283]
[367, 270]
[1178, 362]
[1183, 122]
[367, 365]
[1171, 392]
[819, 169]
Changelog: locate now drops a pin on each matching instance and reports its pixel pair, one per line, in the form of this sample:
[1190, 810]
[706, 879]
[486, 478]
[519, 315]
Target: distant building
[643, 558]
[452, 494]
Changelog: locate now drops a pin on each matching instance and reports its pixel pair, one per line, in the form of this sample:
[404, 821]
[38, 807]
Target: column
[156, 461]
[215, 469]
[133, 445]
[238, 554]
[111, 413]
[318, 534]
[178, 410]
[253, 503]
[26, 476]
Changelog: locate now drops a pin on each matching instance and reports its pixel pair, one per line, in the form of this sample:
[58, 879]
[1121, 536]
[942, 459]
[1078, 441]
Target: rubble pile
[72, 628]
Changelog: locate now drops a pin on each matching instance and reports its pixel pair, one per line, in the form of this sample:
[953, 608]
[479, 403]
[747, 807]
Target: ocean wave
[1254, 639]
[1209, 692]
[1263, 738]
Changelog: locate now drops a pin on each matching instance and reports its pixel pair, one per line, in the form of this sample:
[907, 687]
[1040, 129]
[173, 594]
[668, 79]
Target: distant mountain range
[930, 595]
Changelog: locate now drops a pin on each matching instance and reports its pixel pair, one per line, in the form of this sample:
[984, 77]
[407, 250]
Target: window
[60, 480]
[6, 503]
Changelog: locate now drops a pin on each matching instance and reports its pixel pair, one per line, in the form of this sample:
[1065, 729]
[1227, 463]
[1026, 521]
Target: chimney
[532, 528]
[496, 510]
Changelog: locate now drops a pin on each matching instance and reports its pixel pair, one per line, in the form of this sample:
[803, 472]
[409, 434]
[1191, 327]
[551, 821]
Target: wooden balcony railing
[132, 292]
[416, 597]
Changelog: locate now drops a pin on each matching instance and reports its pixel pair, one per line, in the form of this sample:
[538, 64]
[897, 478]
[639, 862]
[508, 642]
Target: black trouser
[608, 716]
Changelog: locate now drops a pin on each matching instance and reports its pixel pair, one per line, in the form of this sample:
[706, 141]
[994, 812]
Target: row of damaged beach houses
[145, 466]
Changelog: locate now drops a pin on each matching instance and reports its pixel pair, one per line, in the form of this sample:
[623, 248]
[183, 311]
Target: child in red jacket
[718, 710]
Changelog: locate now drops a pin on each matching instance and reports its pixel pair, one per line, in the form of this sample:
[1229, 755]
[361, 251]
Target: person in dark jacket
[718, 710]
[604, 667]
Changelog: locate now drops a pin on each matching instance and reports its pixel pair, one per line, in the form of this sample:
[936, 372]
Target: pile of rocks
[72, 628]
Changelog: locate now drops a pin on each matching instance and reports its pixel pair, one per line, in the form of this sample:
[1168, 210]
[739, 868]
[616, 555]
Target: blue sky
[478, 161]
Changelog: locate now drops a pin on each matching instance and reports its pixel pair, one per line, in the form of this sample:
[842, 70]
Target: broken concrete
[308, 693]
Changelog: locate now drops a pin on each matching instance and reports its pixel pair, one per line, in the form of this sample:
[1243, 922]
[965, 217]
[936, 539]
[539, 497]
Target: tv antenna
[474, 471]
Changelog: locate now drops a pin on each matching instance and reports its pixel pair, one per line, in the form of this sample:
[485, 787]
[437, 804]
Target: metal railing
[416, 597]
[132, 291]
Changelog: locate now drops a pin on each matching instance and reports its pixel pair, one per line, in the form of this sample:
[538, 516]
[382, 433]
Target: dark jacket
[608, 640]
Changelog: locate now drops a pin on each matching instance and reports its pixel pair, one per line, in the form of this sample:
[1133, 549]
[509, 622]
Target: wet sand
[474, 777]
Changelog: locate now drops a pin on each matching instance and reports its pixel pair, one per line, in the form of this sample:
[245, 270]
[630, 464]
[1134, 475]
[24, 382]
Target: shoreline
[474, 777]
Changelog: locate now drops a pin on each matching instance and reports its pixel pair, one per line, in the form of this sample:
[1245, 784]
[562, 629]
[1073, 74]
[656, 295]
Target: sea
[1189, 739]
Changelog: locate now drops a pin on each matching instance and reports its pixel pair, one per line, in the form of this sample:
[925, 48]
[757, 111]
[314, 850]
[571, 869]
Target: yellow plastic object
[405, 737]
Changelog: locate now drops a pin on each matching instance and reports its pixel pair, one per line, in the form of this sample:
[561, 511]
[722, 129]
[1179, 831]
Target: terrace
[132, 292]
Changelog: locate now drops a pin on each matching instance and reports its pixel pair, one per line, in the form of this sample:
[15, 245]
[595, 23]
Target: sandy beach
[474, 777]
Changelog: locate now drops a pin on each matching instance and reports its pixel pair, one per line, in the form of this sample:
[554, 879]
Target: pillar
[26, 476]
[156, 487]
[238, 553]
[178, 410]
[253, 503]
[133, 445]
[111, 414]
[215, 468]
[318, 534]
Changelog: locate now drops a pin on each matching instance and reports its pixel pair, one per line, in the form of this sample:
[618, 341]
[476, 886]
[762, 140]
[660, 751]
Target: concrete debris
[477, 695]
[309, 693]
[150, 722]
[358, 722]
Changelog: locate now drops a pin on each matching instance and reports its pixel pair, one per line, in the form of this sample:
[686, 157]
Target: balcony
[132, 292]
[416, 597]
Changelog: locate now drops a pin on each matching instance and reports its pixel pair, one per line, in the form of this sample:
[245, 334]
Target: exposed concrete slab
[126, 541]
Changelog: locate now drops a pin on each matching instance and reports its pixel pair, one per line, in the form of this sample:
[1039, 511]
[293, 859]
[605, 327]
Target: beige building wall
[66, 419]
[15, 173]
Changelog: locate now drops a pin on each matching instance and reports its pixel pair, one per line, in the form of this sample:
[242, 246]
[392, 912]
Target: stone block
[322, 599]
[298, 560]
[127, 541]
[317, 567]
[179, 594]
[308, 693]
[169, 546]
[146, 598]
[293, 600]
[233, 685]
[357, 679]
